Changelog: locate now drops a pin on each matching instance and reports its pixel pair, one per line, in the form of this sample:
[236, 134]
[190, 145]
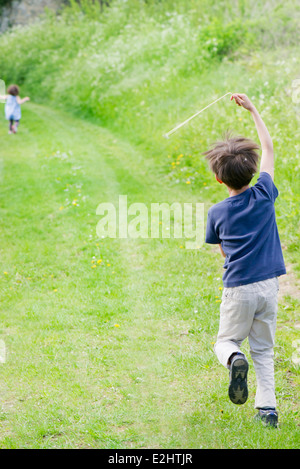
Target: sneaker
[238, 390]
[269, 417]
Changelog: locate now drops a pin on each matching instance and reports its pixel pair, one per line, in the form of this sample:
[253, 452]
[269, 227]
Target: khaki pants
[250, 311]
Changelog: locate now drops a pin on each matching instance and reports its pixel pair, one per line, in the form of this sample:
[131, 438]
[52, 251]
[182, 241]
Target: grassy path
[109, 341]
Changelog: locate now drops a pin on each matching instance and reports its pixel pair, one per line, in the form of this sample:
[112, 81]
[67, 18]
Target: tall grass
[137, 68]
[86, 59]
[140, 67]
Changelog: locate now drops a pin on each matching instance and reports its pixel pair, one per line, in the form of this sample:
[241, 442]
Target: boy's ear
[219, 180]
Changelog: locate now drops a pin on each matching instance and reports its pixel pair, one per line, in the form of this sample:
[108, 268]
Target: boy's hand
[243, 100]
[267, 157]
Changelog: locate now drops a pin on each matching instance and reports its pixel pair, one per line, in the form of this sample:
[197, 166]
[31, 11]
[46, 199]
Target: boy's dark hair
[234, 160]
[13, 90]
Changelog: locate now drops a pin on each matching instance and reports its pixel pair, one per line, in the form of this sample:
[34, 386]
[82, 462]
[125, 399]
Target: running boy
[244, 226]
[13, 107]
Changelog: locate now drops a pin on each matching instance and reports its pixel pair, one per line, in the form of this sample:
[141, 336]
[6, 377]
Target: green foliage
[141, 67]
[4, 3]
[220, 40]
[97, 350]
[110, 341]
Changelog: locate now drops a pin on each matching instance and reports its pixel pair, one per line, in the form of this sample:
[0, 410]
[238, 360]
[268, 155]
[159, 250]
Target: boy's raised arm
[267, 157]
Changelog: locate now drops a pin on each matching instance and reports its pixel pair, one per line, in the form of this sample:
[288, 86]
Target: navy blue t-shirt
[245, 226]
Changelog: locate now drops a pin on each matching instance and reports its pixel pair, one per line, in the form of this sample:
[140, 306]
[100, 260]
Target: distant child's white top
[12, 108]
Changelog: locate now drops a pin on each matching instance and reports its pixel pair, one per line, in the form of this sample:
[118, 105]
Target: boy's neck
[233, 192]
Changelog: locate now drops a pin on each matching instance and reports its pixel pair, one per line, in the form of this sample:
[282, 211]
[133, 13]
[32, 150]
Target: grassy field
[109, 342]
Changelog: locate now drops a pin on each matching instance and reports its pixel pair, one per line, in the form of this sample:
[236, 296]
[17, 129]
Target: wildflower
[117, 325]
[5, 273]
[99, 261]
[188, 182]
[94, 266]
[61, 208]
[108, 265]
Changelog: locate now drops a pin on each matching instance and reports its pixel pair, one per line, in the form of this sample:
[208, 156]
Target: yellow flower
[94, 266]
[99, 261]
[117, 325]
[220, 288]
[188, 182]
[108, 265]
[5, 273]
[61, 208]
[55, 289]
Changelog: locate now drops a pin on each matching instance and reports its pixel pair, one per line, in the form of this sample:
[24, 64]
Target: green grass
[74, 379]
[121, 355]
